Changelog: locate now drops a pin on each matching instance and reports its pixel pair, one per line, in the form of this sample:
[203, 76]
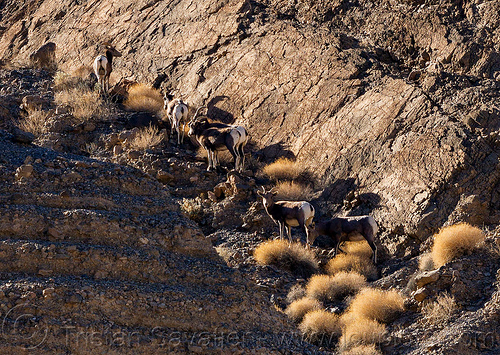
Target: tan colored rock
[427, 277]
[24, 171]
[419, 295]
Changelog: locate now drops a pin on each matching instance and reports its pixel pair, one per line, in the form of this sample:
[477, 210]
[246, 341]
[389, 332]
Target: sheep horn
[196, 114]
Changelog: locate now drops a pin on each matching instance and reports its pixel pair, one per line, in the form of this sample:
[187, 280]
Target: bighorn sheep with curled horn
[343, 229]
[287, 213]
[214, 137]
[103, 66]
[177, 113]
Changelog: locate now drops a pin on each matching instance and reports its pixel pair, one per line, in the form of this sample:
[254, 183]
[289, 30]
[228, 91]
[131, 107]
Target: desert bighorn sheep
[214, 137]
[177, 113]
[342, 229]
[287, 213]
[103, 66]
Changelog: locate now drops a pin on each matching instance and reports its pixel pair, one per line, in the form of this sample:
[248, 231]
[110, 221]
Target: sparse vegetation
[146, 138]
[376, 304]
[192, 208]
[298, 309]
[293, 257]
[439, 311]
[283, 169]
[316, 325]
[361, 331]
[328, 288]
[363, 350]
[454, 241]
[357, 259]
[294, 191]
[425, 262]
[34, 122]
[296, 292]
[84, 102]
[142, 97]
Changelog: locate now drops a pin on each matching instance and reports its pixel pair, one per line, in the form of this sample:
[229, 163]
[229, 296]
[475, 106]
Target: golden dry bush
[34, 122]
[84, 102]
[146, 138]
[352, 263]
[376, 304]
[361, 249]
[363, 350]
[298, 309]
[143, 97]
[425, 262]
[283, 169]
[439, 311]
[361, 331]
[293, 257]
[296, 292]
[336, 287]
[320, 323]
[291, 190]
[454, 241]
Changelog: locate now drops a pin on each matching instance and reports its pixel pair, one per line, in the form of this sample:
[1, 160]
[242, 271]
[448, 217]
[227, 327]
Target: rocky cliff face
[398, 100]
[393, 106]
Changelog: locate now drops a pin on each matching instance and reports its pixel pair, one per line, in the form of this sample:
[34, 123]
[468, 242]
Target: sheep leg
[282, 226]
[369, 238]
[209, 155]
[289, 232]
[242, 157]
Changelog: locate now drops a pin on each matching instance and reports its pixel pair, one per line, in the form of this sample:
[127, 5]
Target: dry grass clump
[440, 311]
[363, 350]
[146, 138]
[298, 309]
[293, 257]
[318, 324]
[34, 122]
[193, 208]
[358, 258]
[362, 331]
[291, 190]
[328, 288]
[454, 241]
[84, 102]
[425, 262]
[376, 304]
[283, 169]
[296, 292]
[142, 97]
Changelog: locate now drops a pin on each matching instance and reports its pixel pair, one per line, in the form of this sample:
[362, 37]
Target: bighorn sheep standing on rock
[103, 66]
[214, 137]
[342, 229]
[177, 113]
[287, 213]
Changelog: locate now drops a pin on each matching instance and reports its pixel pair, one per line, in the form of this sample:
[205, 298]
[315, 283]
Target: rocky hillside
[391, 106]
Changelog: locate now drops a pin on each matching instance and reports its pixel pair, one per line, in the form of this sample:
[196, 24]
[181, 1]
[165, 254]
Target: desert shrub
[34, 122]
[84, 102]
[293, 257]
[352, 263]
[142, 97]
[361, 331]
[283, 169]
[363, 350]
[454, 241]
[376, 304]
[440, 311]
[425, 262]
[298, 309]
[146, 138]
[296, 292]
[328, 288]
[192, 208]
[316, 325]
[291, 190]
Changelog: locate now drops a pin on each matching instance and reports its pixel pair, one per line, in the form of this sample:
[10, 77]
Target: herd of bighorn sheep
[215, 136]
